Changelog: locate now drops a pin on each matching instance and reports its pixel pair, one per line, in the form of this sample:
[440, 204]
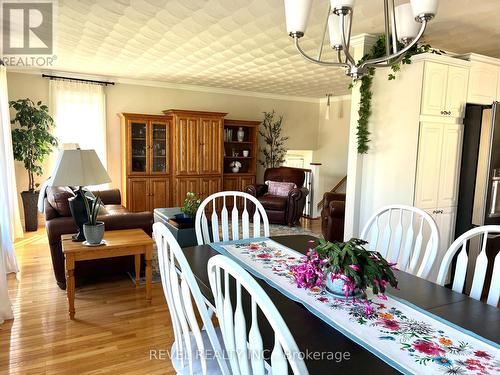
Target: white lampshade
[297, 14]
[334, 31]
[337, 4]
[407, 27]
[78, 168]
[424, 7]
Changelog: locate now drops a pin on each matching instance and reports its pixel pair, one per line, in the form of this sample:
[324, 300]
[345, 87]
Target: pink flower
[427, 347]
[390, 324]
[310, 272]
[355, 267]
[264, 256]
[368, 309]
[482, 354]
[382, 296]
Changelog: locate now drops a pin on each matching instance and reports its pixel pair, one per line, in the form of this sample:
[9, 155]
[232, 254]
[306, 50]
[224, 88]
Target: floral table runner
[410, 339]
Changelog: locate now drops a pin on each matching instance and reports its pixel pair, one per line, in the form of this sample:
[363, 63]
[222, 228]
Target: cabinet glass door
[159, 148]
[138, 139]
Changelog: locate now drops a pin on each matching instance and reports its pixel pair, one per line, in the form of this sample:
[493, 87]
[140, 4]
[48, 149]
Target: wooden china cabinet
[165, 157]
[235, 150]
[146, 161]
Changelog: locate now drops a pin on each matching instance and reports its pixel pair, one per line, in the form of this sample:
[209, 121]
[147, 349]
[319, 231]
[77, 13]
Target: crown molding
[169, 85]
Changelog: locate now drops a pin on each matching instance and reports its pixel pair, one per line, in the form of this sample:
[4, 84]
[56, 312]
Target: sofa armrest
[111, 196]
[257, 190]
[129, 220]
[329, 197]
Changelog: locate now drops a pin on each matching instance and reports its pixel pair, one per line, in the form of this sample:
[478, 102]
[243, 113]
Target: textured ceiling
[236, 44]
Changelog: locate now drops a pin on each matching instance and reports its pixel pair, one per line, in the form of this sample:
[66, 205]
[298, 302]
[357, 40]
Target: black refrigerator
[479, 190]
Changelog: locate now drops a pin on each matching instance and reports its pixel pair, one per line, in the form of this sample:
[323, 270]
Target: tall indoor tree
[32, 142]
[274, 150]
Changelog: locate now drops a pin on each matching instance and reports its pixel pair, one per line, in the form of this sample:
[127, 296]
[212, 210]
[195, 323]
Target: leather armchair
[282, 210]
[58, 221]
[332, 216]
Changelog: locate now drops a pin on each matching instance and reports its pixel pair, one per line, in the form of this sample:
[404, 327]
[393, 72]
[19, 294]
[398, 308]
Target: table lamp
[78, 168]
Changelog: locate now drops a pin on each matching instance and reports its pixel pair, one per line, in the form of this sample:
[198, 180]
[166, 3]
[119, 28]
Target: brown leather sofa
[282, 210]
[332, 216]
[58, 221]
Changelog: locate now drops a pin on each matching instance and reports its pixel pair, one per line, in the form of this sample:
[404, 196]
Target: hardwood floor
[113, 332]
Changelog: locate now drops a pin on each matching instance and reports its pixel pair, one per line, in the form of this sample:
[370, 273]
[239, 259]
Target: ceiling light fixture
[404, 24]
[327, 111]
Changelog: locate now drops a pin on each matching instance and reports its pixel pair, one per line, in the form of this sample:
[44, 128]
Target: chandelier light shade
[334, 32]
[297, 15]
[424, 8]
[338, 5]
[405, 23]
[408, 27]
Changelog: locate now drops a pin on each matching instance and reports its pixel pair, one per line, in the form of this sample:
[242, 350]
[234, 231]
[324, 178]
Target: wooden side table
[118, 243]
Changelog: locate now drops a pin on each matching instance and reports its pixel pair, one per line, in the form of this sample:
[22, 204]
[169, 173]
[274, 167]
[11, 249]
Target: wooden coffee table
[118, 243]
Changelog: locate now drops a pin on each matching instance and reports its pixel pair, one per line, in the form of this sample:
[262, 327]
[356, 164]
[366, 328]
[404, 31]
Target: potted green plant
[346, 269]
[274, 150]
[93, 229]
[191, 204]
[32, 142]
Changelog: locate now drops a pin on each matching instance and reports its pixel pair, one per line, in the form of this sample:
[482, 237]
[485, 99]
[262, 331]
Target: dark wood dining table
[313, 335]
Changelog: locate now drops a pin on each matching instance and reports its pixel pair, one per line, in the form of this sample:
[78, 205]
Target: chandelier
[404, 26]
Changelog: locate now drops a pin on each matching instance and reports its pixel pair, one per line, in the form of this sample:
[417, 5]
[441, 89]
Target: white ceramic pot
[236, 169]
[246, 153]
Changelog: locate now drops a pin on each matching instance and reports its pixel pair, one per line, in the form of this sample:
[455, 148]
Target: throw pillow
[280, 189]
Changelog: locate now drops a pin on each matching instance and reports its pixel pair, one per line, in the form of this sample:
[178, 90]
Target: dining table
[314, 335]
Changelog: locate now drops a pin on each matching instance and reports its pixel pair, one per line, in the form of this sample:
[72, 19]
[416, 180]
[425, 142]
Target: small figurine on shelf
[235, 165]
[240, 134]
[246, 153]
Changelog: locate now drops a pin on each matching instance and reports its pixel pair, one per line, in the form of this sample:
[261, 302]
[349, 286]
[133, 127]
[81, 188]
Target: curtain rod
[77, 79]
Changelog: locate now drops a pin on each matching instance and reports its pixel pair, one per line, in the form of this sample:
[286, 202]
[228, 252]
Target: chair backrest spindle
[239, 226]
[391, 231]
[464, 245]
[246, 354]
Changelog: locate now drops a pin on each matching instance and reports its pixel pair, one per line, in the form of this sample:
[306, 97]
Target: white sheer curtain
[10, 223]
[79, 111]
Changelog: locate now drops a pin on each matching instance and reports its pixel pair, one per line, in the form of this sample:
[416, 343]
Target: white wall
[304, 122]
[332, 146]
[394, 140]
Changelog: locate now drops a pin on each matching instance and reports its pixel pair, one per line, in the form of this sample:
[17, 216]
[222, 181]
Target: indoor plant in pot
[191, 204]
[32, 142]
[93, 229]
[345, 269]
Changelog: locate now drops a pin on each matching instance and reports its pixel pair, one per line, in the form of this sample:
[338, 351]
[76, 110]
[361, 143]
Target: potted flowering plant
[191, 204]
[346, 269]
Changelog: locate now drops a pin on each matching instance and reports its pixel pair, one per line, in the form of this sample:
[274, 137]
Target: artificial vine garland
[365, 102]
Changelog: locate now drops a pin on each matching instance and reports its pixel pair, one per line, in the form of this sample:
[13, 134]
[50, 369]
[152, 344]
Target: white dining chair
[481, 234]
[219, 228]
[399, 233]
[192, 344]
[246, 353]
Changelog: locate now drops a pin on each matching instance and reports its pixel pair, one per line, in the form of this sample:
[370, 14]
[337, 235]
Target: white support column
[360, 45]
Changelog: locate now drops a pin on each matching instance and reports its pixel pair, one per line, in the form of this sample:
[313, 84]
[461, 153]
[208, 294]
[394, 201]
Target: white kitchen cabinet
[451, 156]
[444, 90]
[434, 89]
[483, 83]
[428, 165]
[445, 218]
[438, 165]
[456, 91]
